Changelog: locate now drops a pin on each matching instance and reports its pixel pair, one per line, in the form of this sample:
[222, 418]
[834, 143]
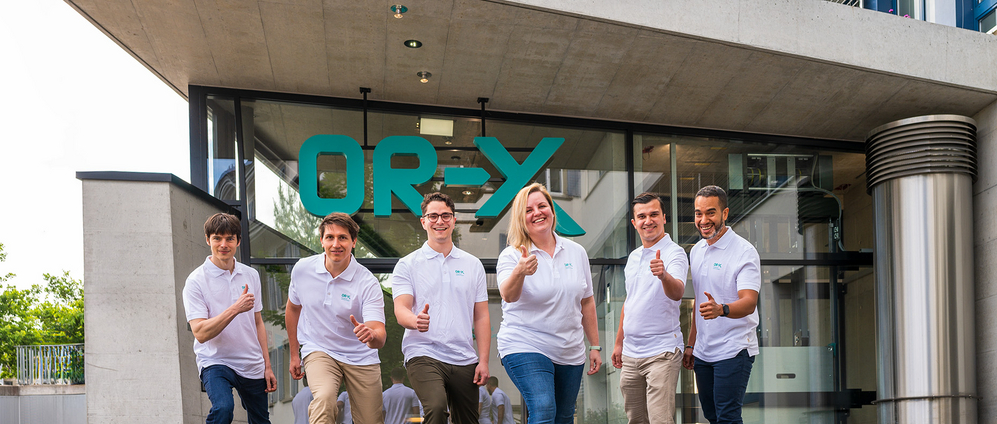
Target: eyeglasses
[434, 216]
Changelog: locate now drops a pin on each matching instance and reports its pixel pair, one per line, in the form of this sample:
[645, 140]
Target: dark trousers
[721, 387]
[440, 385]
[219, 380]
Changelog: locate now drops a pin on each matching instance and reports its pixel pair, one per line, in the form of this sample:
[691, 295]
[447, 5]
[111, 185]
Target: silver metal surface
[924, 285]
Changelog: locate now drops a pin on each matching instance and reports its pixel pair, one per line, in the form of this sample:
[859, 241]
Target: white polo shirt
[208, 292]
[547, 318]
[398, 401]
[347, 415]
[651, 319]
[485, 399]
[501, 400]
[450, 285]
[729, 265]
[326, 305]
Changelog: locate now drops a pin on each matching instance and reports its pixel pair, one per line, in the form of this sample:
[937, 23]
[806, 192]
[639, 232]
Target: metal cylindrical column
[920, 174]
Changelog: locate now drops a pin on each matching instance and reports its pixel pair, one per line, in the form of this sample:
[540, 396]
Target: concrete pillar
[920, 175]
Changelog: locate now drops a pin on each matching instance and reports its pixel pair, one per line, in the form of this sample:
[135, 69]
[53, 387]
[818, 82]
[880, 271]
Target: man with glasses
[440, 296]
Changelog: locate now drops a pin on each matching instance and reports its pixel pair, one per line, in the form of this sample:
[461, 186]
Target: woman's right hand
[527, 263]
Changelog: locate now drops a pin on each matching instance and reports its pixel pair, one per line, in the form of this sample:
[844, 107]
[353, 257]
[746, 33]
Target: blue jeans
[549, 390]
[219, 380]
[722, 385]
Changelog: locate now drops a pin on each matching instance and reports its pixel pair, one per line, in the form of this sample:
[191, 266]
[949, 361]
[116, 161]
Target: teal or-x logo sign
[345, 297]
[717, 265]
[459, 273]
[401, 182]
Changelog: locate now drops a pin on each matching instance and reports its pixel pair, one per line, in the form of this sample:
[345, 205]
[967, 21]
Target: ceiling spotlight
[413, 44]
[424, 76]
[399, 10]
[468, 192]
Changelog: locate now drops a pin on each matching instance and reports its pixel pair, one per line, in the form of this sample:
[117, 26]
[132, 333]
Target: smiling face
[539, 215]
[711, 221]
[439, 229]
[223, 246]
[649, 220]
[337, 243]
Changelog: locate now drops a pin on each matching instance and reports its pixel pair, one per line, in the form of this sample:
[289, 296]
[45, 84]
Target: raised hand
[245, 301]
[710, 309]
[422, 320]
[527, 263]
[362, 332]
[658, 266]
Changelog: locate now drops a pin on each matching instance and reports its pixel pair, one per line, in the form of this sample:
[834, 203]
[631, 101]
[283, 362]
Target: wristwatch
[726, 310]
[595, 347]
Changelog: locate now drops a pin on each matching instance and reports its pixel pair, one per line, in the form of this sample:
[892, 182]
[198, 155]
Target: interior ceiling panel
[524, 60]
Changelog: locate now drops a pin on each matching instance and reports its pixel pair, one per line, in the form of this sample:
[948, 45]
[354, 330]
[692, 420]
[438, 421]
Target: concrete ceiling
[523, 59]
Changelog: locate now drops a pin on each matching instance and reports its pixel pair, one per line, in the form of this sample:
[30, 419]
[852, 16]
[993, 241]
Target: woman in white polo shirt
[547, 308]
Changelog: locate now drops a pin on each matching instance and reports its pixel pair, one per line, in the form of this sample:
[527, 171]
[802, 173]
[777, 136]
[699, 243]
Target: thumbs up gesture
[658, 266]
[245, 301]
[710, 309]
[527, 263]
[422, 320]
[361, 331]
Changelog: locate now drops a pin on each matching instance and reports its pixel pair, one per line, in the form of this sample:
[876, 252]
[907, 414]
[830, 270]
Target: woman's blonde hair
[518, 235]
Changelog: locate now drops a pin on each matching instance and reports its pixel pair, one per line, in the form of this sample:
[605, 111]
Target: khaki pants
[363, 383]
[648, 386]
[442, 387]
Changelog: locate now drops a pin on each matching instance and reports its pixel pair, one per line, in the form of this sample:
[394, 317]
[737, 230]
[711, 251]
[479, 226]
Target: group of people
[335, 319]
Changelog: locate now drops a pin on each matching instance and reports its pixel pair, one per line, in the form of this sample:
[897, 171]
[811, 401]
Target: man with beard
[722, 341]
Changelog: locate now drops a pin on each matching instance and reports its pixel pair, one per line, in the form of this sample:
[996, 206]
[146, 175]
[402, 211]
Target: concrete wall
[985, 248]
[141, 239]
[49, 404]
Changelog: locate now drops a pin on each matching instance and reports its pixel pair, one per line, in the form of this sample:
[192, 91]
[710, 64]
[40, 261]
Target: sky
[73, 101]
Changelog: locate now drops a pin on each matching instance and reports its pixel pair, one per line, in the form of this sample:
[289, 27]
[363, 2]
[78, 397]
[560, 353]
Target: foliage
[49, 314]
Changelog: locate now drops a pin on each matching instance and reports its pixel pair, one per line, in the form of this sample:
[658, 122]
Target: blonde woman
[547, 310]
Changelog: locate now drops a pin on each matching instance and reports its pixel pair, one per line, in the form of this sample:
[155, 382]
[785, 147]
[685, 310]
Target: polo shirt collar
[214, 270]
[724, 240]
[661, 244]
[430, 253]
[347, 274]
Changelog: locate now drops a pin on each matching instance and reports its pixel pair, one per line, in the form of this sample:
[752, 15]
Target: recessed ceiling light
[399, 10]
[468, 192]
[424, 76]
[413, 44]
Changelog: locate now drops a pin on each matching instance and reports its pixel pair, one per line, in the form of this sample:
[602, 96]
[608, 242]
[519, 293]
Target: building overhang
[798, 68]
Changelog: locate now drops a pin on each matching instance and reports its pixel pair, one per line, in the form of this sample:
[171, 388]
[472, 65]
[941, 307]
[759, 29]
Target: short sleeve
[507, 261]
[292, 293]
[749, 276]
[373, 302]
[342, 397]
[586, 271]
[401, 278]
[193, 300]
[480, 283]
[678, 265]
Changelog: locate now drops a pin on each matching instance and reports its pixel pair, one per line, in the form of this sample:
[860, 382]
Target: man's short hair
[645, 198]
[398, 374]
[493, 381]
[437, 197]
[223, 224]
[714, 191]
[342, 220]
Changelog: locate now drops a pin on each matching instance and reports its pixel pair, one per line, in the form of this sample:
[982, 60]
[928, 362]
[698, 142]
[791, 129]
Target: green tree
[49, 314]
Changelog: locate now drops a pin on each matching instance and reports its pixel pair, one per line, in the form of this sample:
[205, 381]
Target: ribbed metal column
[920, 173]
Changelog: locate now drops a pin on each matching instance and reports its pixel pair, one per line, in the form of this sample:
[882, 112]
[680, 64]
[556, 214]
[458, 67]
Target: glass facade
[800, 202]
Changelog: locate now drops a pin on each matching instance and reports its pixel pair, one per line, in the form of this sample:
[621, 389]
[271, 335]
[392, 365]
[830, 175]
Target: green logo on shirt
[717, 265]
[345, 297]
[569, 266]
[459, 272]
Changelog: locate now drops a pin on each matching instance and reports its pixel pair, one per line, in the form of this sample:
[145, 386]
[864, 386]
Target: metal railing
[855, 3]
[50, 364]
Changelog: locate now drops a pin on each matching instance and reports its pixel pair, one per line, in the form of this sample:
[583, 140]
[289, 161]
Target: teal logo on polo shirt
[345, 297]
[717, 265]
[569, 266]
[459, 272]
[401, 182]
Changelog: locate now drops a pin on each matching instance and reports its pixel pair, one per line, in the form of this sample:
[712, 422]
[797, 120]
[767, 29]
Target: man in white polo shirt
[440, 295]
[501, 404]
[335, 317]
[649, 340]
[230, 339]
[400, 401]
[722, 342]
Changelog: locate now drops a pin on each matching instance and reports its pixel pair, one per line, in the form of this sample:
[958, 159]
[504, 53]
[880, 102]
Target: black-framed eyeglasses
[434, 216]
